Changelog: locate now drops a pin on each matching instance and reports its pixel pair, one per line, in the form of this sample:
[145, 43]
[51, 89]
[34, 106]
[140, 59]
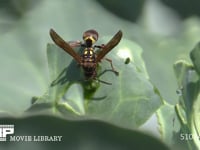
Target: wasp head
[90, 37]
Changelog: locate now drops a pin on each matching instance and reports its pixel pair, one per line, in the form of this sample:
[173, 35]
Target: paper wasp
[89, 59]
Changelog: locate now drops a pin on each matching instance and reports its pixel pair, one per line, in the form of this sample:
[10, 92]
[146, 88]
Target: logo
[6, 130]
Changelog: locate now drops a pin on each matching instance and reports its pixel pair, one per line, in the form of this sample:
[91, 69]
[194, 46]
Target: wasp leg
[74, 44]
[110, 61]
[95, 78]
[106, 70]
[99, 46]
[104, 82]
[85, 80]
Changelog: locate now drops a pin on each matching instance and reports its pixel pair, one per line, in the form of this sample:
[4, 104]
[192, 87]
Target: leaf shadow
[72, 73]
[99, 98]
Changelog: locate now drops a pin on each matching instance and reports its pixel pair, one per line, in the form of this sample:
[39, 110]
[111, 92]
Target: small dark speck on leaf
[127, 61]
[179, 91]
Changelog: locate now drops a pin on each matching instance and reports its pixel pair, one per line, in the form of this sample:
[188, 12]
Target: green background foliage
[164, 32]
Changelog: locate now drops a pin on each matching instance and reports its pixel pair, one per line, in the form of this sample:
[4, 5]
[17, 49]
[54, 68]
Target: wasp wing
[109, 46]
[64, 45]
